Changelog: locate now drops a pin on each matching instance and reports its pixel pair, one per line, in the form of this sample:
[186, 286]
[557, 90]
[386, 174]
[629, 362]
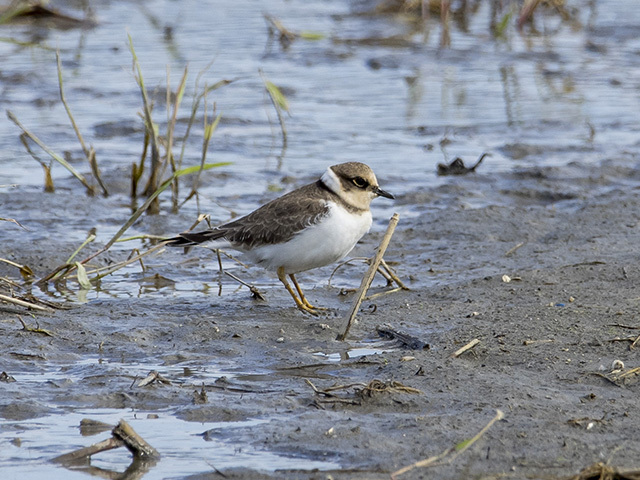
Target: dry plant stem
[171, 125]
[513, 249]
[368, 277]
[194, 110]
[22, 303]
[131, 221]
[445, 37]
[220, 269]
[34, 330]
[278, 109]
[96, 171]
[154, 178]
[49, 187]
[231, 257]
[385, 275]
[254, 291]
[393, 275]
[90, 153]
[458, 449]
[66, 268]
[66, 106]
[467, 347]
[381, 294]
[209, 128]
[342, 264]
[10, 282]
[152, 377]
[55, 156]
[13, 220]
[327, 391]
[526, 11]
[104, 271]
[13, 264]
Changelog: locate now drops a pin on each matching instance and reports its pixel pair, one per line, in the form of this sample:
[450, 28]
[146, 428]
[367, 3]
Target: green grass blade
[277, 96]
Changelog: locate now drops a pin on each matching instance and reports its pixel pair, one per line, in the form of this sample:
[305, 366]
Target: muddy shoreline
[548, 336]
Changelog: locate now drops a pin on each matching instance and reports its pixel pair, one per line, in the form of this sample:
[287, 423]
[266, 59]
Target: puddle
[30, 445]
[185, 447]
[356, 352]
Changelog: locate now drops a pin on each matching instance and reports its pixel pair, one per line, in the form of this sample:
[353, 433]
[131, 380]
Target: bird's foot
[307, 305]
[311, 310]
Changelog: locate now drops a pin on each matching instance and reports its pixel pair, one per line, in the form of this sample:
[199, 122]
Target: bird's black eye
[359, 182]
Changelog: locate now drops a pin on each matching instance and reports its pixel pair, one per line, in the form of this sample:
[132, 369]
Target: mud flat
[545, 278]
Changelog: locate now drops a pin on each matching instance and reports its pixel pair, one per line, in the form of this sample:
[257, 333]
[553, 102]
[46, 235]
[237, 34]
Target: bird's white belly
[318, 245]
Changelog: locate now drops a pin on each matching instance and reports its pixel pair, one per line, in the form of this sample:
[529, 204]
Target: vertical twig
[368, 277]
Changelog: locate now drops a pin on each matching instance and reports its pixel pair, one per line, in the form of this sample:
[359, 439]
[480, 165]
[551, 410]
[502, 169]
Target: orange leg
[301, 302]
[302, 297]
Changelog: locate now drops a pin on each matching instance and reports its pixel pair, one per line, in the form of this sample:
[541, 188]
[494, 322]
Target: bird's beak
[378, 191]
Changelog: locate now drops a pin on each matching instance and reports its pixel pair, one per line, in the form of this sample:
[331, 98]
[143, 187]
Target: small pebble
[617, 365]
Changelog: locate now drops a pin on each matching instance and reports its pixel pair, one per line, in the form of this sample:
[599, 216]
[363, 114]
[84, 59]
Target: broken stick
[467, 347]
[122, 434]
[134, 442]
[83, 454]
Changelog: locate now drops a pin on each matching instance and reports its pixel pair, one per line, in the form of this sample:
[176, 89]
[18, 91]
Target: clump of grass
[153, 141]
[286, 36]
[156, 159]
[21, 9]
[89, 152]
[69, 267]
[157, 153]
[518, 13]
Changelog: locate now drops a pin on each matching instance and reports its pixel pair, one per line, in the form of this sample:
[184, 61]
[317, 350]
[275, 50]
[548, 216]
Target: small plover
[309, 227]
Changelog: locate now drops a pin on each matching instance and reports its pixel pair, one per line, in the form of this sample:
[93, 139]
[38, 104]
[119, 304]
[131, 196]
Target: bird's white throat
[331, 181]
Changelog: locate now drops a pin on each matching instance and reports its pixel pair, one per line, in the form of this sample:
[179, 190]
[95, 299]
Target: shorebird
[307, 228]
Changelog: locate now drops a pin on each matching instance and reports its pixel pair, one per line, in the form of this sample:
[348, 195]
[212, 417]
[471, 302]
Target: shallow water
[563, 96]
[185, 450]
[187, 447]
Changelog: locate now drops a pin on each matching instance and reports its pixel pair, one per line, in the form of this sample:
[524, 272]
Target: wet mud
[548, 287]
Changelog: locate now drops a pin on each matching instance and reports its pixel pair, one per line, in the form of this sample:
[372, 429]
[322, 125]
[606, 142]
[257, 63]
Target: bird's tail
[196, 238]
